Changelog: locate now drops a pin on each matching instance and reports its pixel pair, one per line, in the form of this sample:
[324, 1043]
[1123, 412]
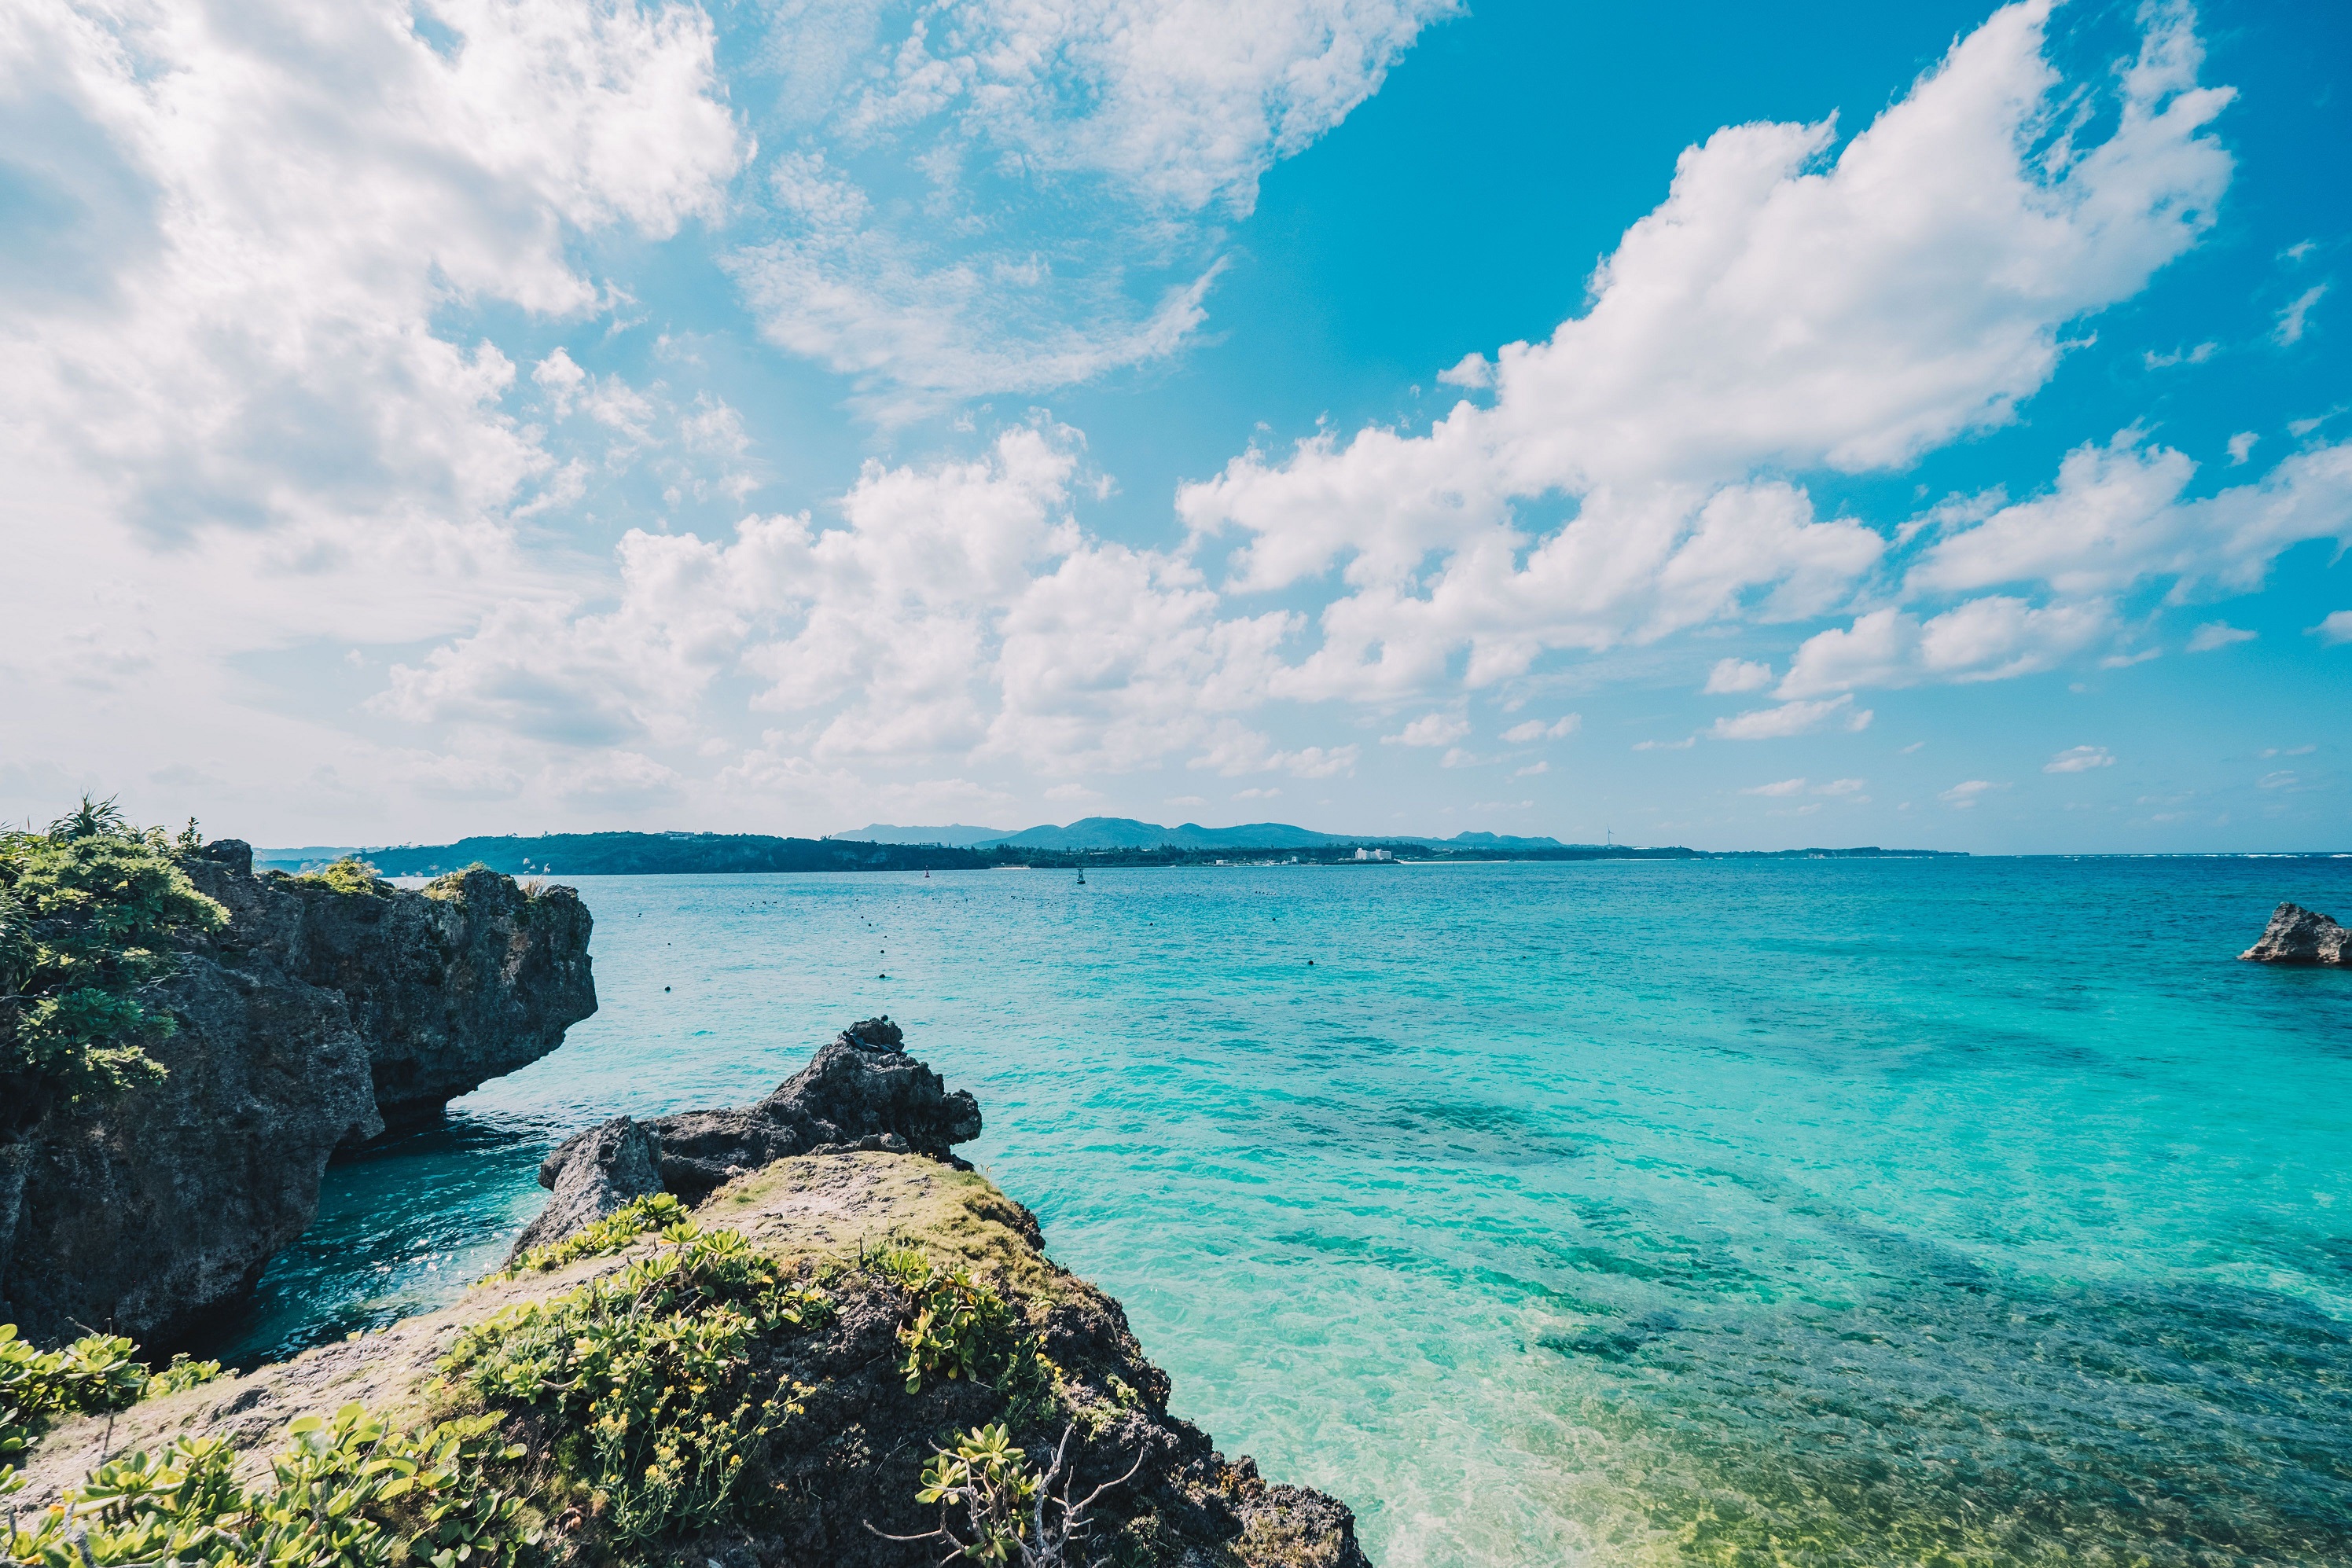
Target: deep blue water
[1810, 1212]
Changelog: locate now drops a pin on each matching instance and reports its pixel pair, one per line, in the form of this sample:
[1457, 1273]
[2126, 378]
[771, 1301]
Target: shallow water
[1816, 1212]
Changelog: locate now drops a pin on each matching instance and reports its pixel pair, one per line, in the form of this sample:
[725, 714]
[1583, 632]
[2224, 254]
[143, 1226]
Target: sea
[1793, 1212]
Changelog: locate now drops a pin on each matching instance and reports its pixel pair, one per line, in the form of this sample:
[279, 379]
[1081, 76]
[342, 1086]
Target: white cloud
[2196, 355]
[1840, 786]
[1775, 312]
[2080, 760]
[1738, 676]
[1785, 787]
[1184, 103]
[2335, 628]
[2293, 318]
[2214, 634]
[1964, 796]
[2286, 751]
[1430, 729]
[1791, 718]
[958, 611]
[1265, 794]
[2116, 517]
[244, 399]
[1536, 730]
[1983, 640]
[1531, 770]
[2241, 447]
[1135, 125]
[1685, 744]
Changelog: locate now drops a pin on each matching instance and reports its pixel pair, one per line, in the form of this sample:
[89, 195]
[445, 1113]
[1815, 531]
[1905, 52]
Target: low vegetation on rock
[348, 1491]
[90, 913]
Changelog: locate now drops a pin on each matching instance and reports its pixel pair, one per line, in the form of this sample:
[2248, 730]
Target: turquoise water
[1812, 1212]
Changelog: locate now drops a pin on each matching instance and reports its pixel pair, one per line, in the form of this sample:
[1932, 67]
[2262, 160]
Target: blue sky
[1839, 424]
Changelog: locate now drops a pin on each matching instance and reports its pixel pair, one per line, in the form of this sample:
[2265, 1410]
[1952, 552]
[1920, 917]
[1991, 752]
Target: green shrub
[661, 1212]
[94, 1372]
[350, 874]
[180, 1373]
[959, 1326]
[88, 914]
[348, 1492]
[650, 1378]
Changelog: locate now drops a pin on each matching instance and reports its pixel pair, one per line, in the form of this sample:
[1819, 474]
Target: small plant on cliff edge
[1011, 1514]
[661, 1211]
[88, 912]
[350, 874]
[959, 1327]
[650, 1378]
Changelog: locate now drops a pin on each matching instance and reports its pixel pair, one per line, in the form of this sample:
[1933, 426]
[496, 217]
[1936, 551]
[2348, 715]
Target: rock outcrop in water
[896, 1250]
[313, 1020]
[860, 1093]
[2300, 935]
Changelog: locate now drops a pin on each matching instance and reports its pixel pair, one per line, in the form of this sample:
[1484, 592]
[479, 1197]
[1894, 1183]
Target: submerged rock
[2300, 935]
[860, 1092]
[312, 1020]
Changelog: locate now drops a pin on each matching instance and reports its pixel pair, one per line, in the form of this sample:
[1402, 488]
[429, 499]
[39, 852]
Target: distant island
[1104, 842]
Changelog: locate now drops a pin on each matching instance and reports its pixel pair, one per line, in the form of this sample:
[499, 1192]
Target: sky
[1745, 427]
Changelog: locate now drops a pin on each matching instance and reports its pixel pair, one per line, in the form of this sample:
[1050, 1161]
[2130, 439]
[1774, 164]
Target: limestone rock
[860, 1094]
[2300, 935]
[592, 1174]
[306, 1024]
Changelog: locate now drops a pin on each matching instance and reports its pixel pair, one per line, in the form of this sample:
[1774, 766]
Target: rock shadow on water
[406, 1223]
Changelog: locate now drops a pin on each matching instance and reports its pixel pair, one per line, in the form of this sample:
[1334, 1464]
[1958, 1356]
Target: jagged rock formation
[860, 1092]
[2300, 935]
[591, 1174]
[852, 1456]
[312, 1020]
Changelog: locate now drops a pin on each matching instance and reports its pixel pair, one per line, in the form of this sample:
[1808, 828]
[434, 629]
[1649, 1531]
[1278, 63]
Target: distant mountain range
[1127, 833]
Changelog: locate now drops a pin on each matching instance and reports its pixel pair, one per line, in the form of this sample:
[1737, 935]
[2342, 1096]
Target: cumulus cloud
[2080, 760]
[2116, 517]
[1783, 309]
[1535, 729]
[2334, 629]
[1986, 639]
[262, 352]
[1785, 787]
[958, 610]
[1738, 676]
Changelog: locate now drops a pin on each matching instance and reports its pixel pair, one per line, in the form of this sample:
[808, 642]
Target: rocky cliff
[2300, 935]
[314, 1019]
[844, 1330]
